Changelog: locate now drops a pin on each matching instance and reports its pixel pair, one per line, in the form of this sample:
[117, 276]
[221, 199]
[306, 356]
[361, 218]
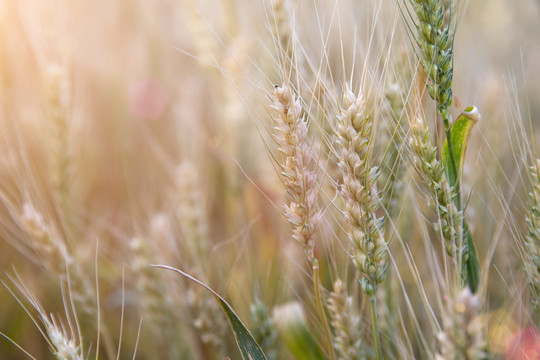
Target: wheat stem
[320, 309]
[375, 327]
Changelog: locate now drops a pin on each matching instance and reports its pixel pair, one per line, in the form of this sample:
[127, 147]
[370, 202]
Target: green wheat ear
[434, 28]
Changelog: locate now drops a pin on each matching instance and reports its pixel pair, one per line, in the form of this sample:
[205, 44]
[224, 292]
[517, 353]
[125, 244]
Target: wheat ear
[191, 212]
[150, 286]
[432, 173]
[59, 107]
[346, 325]
[436, 43]
[359, 192]
[301, 184]
[300, 181]
[463, 329]
[532, 240]
[65, 342]
[435, 25]
[53, 254]
[393, 169]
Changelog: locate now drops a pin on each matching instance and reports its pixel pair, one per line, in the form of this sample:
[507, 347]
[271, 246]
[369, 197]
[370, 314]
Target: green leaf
[472, 264]
[460, 132]
[246, 343]
[291, 324]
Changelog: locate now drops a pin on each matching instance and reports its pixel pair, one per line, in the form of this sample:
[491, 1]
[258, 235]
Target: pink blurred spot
[148, 99]
[525, 345]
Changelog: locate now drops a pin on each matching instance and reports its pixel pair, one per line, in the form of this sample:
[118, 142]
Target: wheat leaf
[460, 134]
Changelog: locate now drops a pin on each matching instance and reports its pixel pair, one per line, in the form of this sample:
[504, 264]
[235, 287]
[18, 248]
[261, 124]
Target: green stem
[375, 328]
[320, 308]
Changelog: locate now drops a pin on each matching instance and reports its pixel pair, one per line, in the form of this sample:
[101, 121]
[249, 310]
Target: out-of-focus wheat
[85, 166]
[463, 335]
[346, 325]
[62, 338]
[264, 329]
[53, 254]
[191, 211]
[59, 96]
[151, 288]
[532, 240]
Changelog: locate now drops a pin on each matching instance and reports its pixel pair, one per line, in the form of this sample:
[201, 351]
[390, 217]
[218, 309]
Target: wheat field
[356, 179]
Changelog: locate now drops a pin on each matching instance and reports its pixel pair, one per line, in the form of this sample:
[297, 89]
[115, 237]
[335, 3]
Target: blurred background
[136, 132]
